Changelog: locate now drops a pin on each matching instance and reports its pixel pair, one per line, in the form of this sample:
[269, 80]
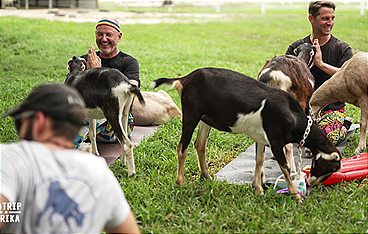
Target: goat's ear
[314, 48]
[70, 61]
[82, 64]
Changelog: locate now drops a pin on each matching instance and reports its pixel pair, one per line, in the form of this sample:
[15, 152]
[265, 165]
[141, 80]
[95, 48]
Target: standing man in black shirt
[108, 36]
[331, 53]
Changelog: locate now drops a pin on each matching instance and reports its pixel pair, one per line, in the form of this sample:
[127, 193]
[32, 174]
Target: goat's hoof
[259, 190]
[358, 150]
[206, 177]
[123, 162]
[298, 198]
[180, 181]
[130, 174]
[96, 153]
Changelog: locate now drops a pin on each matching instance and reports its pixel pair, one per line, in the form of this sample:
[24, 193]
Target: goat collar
[316, 119]
[310, 63]
[307, 131]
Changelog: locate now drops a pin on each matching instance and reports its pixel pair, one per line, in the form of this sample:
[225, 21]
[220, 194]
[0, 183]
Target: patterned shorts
[332, 123]
[103, 130]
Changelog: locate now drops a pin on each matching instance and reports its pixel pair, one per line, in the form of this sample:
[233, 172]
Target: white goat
[349, 84]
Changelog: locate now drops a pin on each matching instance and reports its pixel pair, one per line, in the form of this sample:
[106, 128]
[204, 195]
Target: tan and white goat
[159, 108]
[349, 84]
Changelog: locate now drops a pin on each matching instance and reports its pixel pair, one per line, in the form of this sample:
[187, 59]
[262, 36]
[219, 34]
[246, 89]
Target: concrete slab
[111, 151]
[241, 169]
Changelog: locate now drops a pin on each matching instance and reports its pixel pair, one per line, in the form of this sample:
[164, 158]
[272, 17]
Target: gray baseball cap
[57, 101]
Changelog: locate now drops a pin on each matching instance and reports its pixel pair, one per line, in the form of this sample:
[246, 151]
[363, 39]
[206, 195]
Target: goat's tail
[175, 82]
[135, 89]
[161, 81]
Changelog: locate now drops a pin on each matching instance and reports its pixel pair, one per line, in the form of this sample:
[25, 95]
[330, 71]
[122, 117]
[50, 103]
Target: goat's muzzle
[323, 165]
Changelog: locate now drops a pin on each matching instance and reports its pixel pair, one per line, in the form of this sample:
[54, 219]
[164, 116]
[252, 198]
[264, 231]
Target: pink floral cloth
[332, 123]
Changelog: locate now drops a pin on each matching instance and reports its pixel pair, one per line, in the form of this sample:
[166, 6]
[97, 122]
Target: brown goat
[348, 84]
[291, 74]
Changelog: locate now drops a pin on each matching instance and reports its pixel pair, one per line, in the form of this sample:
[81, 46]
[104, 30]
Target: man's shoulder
[337, 42]
[127, 57]
[336, 52]
[16, 147]
[41, 152]
[121, 61]
[81, 158]
[339, 48]
[296, 43]
[301, 41]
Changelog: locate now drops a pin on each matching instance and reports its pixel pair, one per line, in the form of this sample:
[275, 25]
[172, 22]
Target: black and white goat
[107, 93]
[232, 102]
[291, 74]
[306, 52]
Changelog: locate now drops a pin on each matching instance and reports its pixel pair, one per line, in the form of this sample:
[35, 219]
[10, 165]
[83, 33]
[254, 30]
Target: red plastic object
[354, 168]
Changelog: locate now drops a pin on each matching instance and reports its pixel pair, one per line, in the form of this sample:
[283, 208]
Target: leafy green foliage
[37, 51]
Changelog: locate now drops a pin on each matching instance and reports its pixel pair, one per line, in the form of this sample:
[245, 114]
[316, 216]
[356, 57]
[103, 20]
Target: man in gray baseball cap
[56, 188]
[60, 104]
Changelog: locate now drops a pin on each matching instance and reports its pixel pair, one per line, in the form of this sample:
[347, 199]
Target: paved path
[241, 170]
[111, 151]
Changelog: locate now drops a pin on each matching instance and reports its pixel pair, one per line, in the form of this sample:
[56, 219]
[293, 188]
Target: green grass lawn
[37, 51]
[230, 7]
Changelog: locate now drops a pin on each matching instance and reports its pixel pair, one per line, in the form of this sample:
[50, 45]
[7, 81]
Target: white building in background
[217, 4]
[50, 3]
